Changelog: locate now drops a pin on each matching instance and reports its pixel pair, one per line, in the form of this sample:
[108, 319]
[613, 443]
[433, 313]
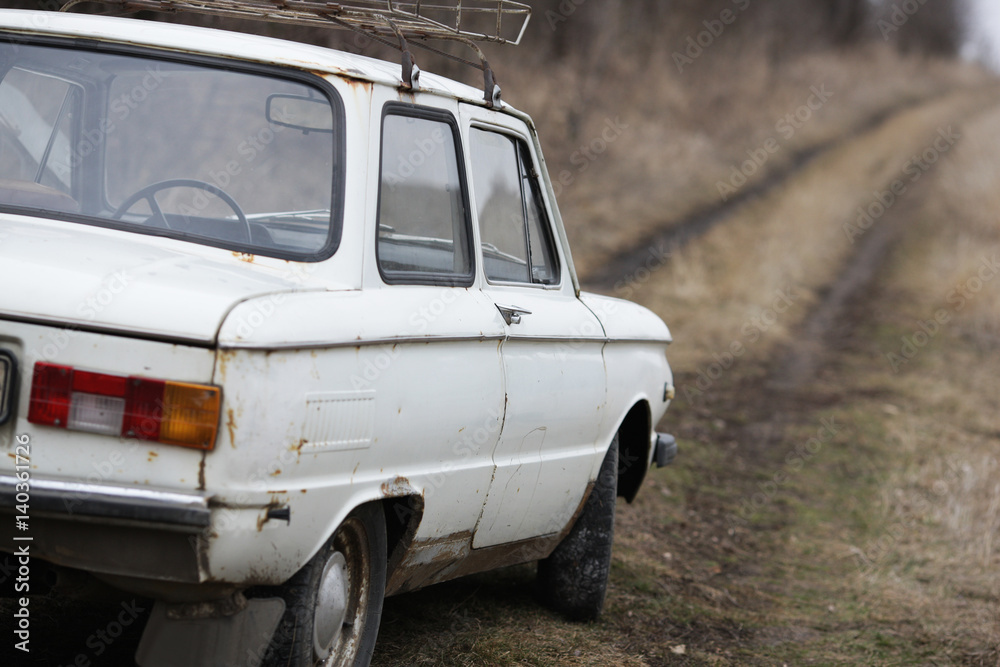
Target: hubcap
[331, 604]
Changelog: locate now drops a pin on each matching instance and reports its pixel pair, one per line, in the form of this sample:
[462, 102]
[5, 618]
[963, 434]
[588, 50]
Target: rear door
[552, 358]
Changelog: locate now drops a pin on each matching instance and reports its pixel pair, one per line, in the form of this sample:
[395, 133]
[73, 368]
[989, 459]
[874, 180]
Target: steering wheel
[148, 193]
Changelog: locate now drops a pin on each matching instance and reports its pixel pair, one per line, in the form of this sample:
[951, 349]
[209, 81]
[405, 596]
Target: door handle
[511, 314]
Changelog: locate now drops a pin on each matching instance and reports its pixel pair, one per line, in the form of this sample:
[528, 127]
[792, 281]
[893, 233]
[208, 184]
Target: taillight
[174, 413]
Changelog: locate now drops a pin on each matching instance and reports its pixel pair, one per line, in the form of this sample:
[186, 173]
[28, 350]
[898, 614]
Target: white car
[282, 333]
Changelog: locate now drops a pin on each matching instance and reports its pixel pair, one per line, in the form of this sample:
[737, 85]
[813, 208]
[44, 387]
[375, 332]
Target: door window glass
[423, 226]
[516, 243]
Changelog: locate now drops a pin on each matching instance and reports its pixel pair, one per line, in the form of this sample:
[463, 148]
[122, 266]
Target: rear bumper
[112, 530]
[110, 504]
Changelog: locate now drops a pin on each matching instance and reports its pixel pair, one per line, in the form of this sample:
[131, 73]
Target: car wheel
[574, 579]
[334, 603]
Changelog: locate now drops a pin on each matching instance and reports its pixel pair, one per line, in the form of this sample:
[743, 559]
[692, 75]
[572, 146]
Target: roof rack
[465, 21]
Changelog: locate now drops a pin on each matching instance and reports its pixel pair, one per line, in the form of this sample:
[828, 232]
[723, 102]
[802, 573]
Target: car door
[552, 357]
[440, 380]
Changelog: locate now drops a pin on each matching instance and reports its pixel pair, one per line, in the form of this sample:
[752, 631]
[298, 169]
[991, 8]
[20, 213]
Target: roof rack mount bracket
[411, 73]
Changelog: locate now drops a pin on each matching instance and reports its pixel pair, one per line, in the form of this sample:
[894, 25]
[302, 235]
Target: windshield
[240, 160]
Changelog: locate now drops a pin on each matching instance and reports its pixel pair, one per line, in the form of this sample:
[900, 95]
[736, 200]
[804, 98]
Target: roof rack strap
[411, 73]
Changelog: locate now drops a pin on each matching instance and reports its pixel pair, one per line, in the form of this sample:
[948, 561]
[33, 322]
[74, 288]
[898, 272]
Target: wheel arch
[634, 449]
[403, 515]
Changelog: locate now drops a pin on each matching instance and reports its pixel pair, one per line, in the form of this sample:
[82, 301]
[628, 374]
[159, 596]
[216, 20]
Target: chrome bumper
[110, 530]
[109, 504]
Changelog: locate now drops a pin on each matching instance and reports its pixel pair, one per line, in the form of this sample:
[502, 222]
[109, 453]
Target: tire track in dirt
[796, 364]
[697, 224]
[799, 362]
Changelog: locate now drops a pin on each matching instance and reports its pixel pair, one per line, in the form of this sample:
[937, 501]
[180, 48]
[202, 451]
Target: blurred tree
[848, 19]
[929, 26]
[584, 30]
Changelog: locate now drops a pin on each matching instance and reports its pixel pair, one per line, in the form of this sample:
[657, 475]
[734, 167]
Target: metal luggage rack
[464, 21]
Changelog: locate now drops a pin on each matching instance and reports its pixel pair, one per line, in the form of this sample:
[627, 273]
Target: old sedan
[283, 333]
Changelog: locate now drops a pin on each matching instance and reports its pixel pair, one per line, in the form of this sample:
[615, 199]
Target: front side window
[516, 243]
[423, 222]
[242, 160]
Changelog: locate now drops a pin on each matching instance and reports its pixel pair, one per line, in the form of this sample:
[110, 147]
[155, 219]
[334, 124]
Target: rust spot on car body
[231, 427]
[273, 504]
[397, 488]
[244, 257]
[201, 472]
[436, 560]
[222, 359]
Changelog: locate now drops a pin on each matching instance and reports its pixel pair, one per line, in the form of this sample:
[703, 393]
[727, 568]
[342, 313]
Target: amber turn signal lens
[190, 415]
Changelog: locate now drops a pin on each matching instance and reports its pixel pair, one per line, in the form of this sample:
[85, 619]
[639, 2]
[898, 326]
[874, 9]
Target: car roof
[227, 44]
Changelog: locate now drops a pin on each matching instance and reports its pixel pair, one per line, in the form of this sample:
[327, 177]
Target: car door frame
[450, 330]
[555, 378]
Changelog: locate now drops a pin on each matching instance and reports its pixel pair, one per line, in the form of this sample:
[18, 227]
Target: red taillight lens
[144, 409]
[175, 413]
[51, 390]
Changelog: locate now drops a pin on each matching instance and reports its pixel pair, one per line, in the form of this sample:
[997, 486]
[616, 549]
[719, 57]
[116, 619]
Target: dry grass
[940, 506]
[794, 239]
[686, 132]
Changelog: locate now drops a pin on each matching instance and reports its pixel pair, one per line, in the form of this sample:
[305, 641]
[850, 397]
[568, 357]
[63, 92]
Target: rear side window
[423, 222]
[517, 245]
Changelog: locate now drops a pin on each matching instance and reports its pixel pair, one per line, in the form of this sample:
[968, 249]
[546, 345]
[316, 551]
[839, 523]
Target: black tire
[574, 579]
[358, 549]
